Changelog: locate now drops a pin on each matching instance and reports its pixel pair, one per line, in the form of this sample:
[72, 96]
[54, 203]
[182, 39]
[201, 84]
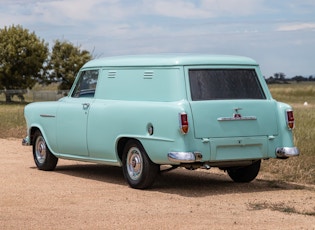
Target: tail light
[183, 119]
[290, 118]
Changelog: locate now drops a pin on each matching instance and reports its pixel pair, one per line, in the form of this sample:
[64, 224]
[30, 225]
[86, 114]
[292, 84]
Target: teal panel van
[144, 112]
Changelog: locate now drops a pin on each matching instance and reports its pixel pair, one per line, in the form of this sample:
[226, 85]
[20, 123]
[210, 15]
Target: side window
[86, 84]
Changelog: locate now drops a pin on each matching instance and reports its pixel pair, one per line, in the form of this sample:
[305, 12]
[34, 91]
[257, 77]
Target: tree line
[280, 78]
[25, 60]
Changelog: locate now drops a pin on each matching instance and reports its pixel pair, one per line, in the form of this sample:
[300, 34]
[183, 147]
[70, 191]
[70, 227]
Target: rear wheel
[244, 174]
[43, 158]
[138, 169]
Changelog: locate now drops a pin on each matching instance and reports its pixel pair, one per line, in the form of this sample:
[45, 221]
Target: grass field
[300, 169]
[12, 120]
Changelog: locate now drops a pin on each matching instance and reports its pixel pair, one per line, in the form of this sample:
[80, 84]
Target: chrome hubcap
[134, 163]
[40, 150]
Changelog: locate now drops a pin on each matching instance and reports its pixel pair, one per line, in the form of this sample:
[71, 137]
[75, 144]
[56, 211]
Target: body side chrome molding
[47, 115]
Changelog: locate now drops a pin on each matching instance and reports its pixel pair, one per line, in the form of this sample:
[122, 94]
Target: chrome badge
[237, 116]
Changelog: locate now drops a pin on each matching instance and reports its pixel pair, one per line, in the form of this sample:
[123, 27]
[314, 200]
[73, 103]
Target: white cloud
[176, 9]
[296, 27]
[69, 11]
[232, 7]
[64, 12]
[203, 8]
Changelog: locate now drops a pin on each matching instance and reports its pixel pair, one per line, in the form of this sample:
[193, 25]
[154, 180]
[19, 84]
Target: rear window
[224, 84]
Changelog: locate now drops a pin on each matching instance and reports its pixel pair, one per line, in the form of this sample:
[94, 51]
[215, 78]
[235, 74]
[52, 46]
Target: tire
[139, 171]
[43, 157]
[244, 174]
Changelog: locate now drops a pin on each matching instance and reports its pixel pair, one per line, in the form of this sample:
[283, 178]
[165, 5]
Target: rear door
[230, 102]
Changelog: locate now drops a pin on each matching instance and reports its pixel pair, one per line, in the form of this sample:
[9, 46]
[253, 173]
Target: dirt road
[88, 196]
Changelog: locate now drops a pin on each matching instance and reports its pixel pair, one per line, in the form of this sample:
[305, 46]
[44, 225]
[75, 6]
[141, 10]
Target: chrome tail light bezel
[289, 114]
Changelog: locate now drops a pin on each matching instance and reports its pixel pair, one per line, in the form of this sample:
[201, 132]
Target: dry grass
[296, 93]
[280, 207]
[300, 169]
[12, 120]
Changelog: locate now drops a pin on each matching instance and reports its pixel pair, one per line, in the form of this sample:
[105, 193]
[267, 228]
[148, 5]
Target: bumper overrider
[285, 152]
[184, 157]
[26, 141]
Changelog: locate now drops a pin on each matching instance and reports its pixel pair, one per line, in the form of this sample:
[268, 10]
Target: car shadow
[180, 181]
[205, 183]
[98, 172]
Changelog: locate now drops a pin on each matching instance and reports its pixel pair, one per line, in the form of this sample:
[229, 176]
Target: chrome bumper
[184, 157]
[285, 152]
[26, 141]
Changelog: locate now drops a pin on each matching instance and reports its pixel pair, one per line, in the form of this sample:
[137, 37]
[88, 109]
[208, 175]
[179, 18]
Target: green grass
[299, 169]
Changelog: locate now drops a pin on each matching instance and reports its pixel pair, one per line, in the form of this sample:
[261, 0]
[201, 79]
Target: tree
[279, 76]
[22, 57]
[299, 78]
[66, 60]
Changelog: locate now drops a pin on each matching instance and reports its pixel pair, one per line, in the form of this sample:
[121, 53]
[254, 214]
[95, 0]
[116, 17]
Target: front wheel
[138, 169]
[43, 158]
[244, 174]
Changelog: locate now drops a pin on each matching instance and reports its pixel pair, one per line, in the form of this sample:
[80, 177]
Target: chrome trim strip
[246, 118]
[47, 115]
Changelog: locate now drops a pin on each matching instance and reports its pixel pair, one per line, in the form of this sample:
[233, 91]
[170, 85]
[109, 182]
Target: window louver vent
[111, 74]
[148, 75]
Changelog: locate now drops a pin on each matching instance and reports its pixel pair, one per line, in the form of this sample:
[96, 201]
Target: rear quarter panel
[109, 121]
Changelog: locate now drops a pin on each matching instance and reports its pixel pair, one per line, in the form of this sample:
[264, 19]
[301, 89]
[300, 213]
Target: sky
[278, 34]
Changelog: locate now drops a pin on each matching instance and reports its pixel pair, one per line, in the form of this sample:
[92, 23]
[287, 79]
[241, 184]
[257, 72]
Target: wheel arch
[121, 143]
[32, 131]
